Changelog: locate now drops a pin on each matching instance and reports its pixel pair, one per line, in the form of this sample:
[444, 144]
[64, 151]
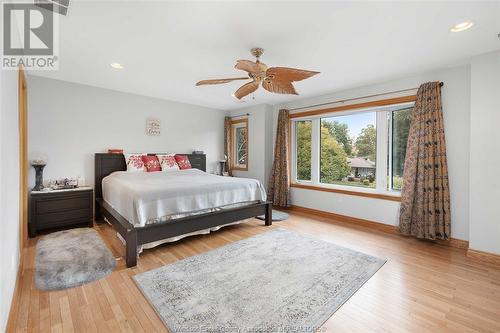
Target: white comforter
[145, 197]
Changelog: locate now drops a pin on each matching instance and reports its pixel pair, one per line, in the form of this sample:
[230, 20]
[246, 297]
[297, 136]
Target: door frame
[23, 159]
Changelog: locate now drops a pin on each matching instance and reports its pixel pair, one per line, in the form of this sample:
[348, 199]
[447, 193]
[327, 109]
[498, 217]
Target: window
[349, 150]
[239, 144]
[399, 125]
[303, 137]
[357, 150]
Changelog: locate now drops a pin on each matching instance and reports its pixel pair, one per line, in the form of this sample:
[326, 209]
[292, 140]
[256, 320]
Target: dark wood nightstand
[60, 208]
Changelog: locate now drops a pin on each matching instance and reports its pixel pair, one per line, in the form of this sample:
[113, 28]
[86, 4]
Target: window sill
[235, 168]
[375, 195]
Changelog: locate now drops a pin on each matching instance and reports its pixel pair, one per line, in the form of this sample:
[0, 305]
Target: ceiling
[166, 47]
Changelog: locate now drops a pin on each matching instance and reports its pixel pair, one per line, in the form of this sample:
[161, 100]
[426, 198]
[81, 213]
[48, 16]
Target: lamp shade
[38, 159]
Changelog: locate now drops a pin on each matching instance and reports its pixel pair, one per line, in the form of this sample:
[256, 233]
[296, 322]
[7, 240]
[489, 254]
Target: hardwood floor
[423, 287]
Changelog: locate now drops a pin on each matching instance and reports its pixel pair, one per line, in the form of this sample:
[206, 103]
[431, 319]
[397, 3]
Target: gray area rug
[71, 258]
[277, 216]
[277, 281]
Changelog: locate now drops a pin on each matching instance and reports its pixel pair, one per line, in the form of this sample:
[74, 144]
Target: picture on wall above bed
[153, 127]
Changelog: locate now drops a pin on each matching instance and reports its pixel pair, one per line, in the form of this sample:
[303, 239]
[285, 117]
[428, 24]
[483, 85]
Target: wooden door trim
[23, 159]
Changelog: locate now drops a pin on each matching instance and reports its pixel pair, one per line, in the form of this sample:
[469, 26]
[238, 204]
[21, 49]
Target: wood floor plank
[55, 311]
[423, 287]
[94, 307]
[68, 322]
[44, 315]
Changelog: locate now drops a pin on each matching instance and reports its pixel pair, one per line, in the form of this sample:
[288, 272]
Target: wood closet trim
[381, 102]
[14, 305]
[23, 192]
[23, 158]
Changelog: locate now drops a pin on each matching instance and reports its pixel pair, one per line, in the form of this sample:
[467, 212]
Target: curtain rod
[240, 115]
[356, 98]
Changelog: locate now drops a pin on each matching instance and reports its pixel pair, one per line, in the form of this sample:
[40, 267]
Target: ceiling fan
[274, 79]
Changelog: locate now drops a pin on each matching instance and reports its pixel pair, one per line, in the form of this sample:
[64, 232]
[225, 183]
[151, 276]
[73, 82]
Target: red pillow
[183, 162]
[151, 163]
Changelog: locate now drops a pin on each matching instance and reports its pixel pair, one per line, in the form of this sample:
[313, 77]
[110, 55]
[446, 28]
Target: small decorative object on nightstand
[38, 163]
[60, 208]
[223, 167]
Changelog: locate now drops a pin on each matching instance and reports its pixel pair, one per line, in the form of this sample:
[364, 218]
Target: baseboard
[348, 219]
[14, 301]
[488, 257]
[453, 242]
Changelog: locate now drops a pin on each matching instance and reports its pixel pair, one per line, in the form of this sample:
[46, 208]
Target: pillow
[134, 162]
[168, 162]
[151, 163]
[183, 162]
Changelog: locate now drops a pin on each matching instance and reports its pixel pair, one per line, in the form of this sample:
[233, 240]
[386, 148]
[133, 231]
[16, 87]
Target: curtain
[279, 181]
[425, 197]
[227, 144]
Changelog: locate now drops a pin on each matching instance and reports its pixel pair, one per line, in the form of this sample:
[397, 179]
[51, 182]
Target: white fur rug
[70, 258]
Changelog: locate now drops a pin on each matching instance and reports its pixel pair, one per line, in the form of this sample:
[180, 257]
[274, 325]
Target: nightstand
[60, 208]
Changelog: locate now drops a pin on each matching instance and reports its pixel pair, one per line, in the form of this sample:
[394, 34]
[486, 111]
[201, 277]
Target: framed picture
[153, 127]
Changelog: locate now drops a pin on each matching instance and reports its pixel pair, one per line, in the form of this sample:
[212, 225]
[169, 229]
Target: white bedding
[149, 197]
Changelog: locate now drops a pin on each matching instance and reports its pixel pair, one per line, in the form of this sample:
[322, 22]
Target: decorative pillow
[151, 163]
[134, 162]
[168, 162]
[183, 162]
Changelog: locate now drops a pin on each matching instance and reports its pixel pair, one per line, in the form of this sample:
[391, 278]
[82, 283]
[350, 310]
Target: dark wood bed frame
[135, 236]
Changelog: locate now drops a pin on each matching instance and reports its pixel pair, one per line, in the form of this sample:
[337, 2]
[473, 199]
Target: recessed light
[462, 26]
[116, 65]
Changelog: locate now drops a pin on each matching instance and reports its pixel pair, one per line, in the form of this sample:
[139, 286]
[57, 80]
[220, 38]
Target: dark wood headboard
[105, 164]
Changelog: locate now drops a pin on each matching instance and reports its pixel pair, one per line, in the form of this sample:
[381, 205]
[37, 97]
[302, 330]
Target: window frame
[382, 108]
[235, 124]
[390, 169]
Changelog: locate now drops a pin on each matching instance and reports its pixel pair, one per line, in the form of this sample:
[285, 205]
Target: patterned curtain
[227, 144]
[279, 181]
[425, 197]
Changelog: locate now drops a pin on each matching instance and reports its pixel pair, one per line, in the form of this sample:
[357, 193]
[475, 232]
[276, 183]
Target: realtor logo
[28, 37]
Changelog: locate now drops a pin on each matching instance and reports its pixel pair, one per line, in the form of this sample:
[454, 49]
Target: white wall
[456, 101]
[485, 153]
[70, 122]
[9, 190]
[259, 142]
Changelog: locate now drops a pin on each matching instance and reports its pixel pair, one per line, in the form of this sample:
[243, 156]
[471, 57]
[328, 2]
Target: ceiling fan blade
[246, 89]
[288, 74]
[219, 81]
[250, 67]
[279, 86]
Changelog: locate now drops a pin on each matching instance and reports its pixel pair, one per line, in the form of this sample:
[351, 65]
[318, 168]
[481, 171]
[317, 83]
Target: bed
[149, 208]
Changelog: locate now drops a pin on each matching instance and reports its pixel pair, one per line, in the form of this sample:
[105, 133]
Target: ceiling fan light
[277, 80]
[116, 65]
[462, 26]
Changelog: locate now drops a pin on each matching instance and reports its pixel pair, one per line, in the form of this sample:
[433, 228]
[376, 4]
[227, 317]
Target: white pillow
[135, 162]
[168, 162]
